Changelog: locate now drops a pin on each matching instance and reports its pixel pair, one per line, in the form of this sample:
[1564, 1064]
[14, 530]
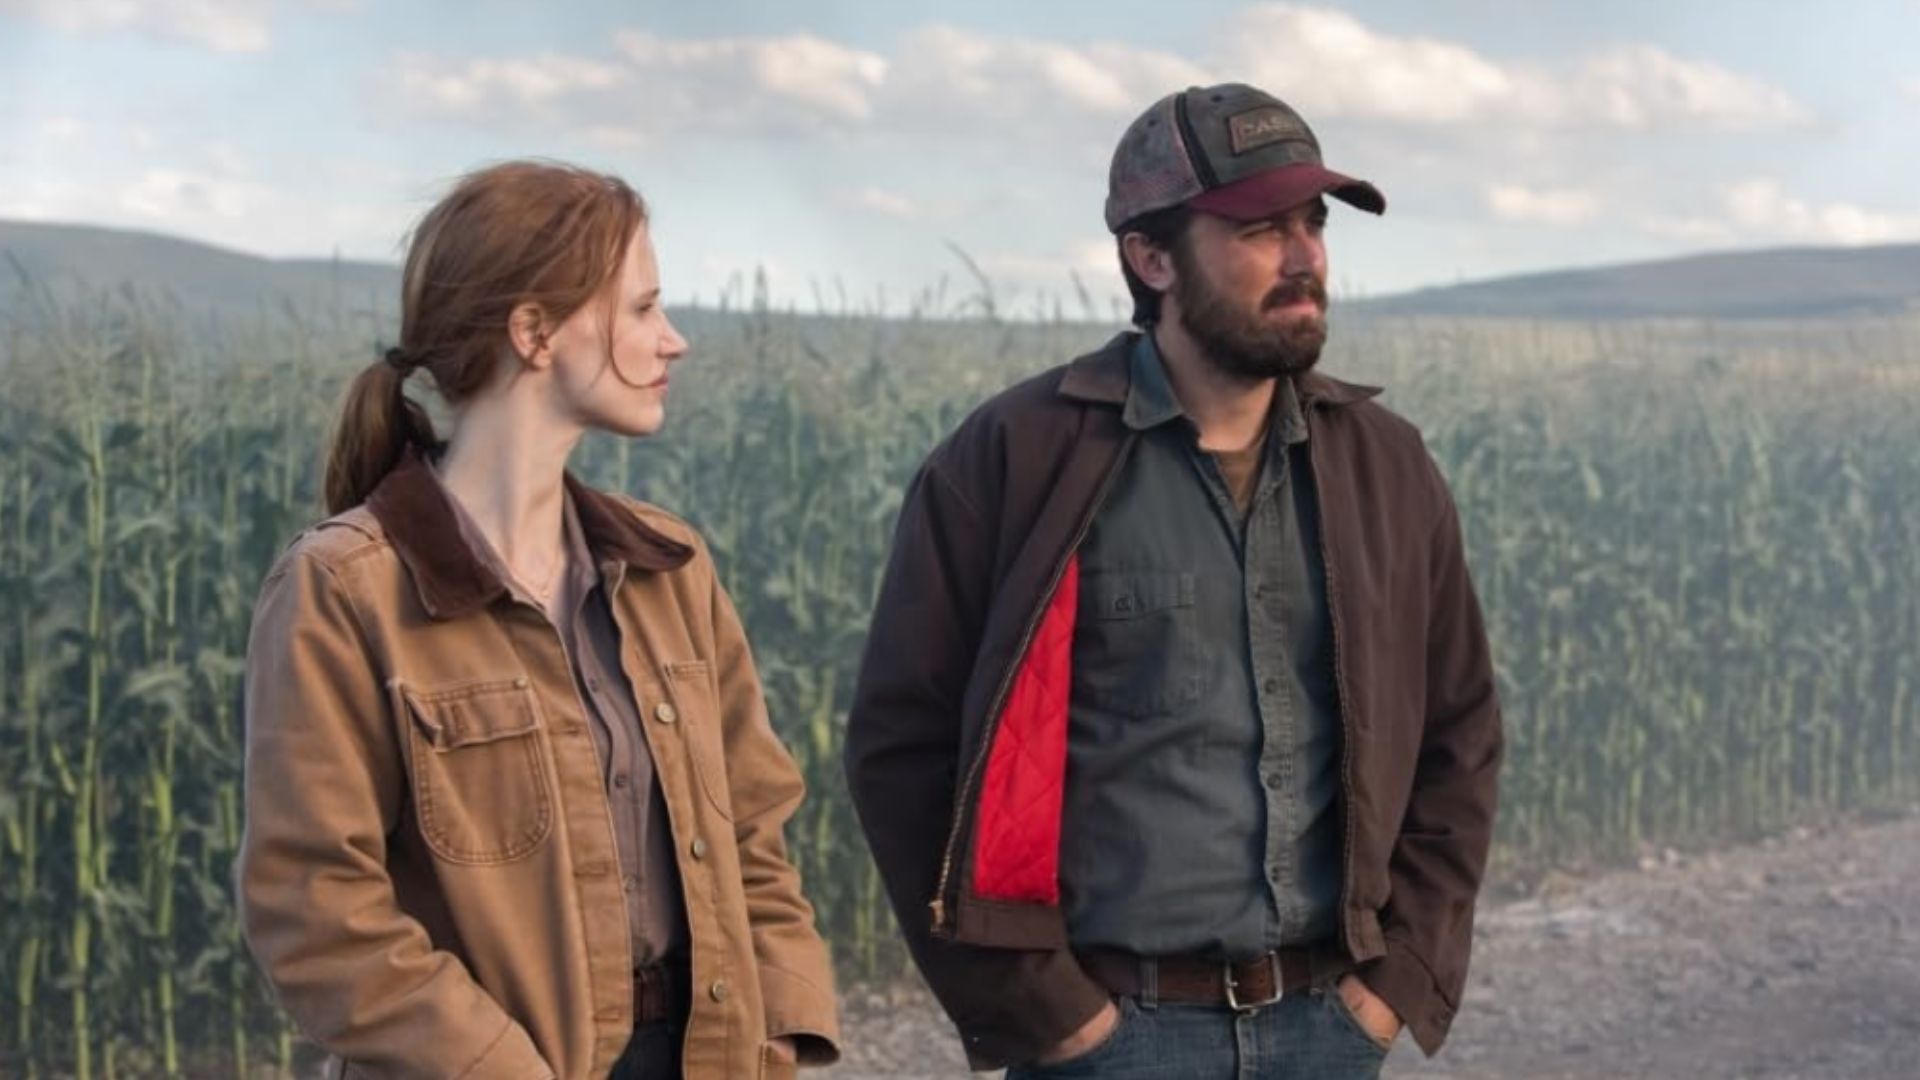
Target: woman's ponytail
[378, 421]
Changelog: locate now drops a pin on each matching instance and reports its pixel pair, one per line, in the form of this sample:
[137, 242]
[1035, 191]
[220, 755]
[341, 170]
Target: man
[1176, 733]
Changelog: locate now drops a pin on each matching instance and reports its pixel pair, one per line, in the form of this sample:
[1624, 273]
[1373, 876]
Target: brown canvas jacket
[984, 540]
[428, 875]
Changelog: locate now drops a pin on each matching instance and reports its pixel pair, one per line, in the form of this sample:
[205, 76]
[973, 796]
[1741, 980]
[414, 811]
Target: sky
[864, 154]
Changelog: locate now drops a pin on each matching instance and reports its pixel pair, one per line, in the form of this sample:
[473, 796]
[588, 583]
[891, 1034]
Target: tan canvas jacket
[429, 874]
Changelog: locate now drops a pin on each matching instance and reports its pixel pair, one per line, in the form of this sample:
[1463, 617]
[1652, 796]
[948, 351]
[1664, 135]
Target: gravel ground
[1795, 957]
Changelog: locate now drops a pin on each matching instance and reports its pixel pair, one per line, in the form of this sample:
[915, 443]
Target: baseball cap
[1230, 150]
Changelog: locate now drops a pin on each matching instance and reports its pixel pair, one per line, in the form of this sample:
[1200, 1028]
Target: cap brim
[1265, 194]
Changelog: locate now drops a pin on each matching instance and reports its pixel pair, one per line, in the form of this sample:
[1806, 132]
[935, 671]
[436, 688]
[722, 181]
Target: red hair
[521, 232]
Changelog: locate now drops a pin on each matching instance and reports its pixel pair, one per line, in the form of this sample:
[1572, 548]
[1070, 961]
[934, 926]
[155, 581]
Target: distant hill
[1779, 283]
[202, 277]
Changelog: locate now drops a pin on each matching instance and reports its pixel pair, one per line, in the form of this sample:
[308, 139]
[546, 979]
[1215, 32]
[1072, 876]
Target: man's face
[1253, 294]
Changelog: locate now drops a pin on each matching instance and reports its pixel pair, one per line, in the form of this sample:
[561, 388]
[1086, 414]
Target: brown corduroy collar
[454, 580]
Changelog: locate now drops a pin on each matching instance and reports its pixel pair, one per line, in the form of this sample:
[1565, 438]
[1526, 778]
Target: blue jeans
[1307, 1035]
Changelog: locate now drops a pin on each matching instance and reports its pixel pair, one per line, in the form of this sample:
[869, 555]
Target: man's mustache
[1294, 290]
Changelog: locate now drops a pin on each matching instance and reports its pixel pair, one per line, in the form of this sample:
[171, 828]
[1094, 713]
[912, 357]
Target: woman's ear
[527, 333]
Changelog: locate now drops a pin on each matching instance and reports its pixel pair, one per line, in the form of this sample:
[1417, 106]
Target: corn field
[1698, 547]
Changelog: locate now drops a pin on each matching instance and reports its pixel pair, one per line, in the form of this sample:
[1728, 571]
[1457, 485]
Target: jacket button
[665, 712]
[699, 848]
[718, 991]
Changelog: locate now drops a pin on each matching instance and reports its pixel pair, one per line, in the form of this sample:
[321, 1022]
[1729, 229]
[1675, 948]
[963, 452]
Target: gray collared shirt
[1203, 744]
[656, 913]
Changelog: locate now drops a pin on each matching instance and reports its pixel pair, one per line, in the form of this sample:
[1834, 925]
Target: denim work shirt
[1204, 735]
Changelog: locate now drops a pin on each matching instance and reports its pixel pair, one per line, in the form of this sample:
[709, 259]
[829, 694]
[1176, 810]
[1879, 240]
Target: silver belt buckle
[1233, 998]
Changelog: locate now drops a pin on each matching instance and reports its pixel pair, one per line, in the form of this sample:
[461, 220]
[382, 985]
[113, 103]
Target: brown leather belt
[1244, 986]
[661, 991]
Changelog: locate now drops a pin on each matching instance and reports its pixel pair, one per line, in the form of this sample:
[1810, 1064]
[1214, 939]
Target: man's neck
[1230, 411]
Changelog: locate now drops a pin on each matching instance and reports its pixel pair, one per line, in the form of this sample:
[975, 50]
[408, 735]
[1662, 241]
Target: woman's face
[628, 395]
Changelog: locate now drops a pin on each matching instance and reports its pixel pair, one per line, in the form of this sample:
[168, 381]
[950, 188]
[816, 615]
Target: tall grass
[1697, 545]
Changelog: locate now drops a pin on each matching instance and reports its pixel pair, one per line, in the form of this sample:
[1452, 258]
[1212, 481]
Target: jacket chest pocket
[1136, 648]
[478, 769]
[690, 686]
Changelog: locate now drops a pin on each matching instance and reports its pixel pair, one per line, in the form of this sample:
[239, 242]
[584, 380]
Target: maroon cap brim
[1265, 194]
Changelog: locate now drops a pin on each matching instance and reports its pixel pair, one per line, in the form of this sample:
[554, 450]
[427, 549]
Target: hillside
[1772, 284]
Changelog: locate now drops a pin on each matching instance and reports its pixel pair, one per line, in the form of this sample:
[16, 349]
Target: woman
[513, 804]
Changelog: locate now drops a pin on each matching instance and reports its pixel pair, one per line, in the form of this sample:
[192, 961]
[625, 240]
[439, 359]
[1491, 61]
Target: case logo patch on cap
[1255, 128]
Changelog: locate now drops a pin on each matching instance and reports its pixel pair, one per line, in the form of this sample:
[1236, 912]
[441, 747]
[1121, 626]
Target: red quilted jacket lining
[1017, 830]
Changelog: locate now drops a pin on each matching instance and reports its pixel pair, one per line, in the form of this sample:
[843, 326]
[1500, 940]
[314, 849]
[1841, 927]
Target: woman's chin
[637, 424]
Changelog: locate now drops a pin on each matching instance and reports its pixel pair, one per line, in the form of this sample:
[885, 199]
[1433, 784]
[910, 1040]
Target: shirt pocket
[690, 687]
[477, 764]
[1136, 650]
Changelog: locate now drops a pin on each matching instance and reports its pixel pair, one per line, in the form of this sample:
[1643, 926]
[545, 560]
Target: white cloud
[1328, 63]
[224, 25]
[651, 85]
[883, 202]
[1761, 206]
[62, 128]
[169, 196]
[1912, 89]
[1570, 206]
[945, 76]
[964, 84]
[1640, 86]
[1698, 230]
[482, 86]
[1760, 210]
[742, 79]
[1051, 270]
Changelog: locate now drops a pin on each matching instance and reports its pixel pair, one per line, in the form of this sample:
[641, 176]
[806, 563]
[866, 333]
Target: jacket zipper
[941, 917]
[1340, 699]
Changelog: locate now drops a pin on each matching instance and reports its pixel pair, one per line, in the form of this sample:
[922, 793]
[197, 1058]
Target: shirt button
[665, 712]
[1271, 686]
[718, 991]
[520, 683]
[593, 684]
[620, 780]
[630, 883]
[699, 848]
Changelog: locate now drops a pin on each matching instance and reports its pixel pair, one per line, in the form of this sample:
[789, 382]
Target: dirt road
[1796, 957]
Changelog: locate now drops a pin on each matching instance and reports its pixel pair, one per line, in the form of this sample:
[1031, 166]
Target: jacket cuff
[511, 1057]
[1033, 1015]
[1405, 983]
[798, 1008]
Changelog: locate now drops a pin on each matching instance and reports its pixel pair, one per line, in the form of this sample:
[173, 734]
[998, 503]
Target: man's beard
[1243, 343]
